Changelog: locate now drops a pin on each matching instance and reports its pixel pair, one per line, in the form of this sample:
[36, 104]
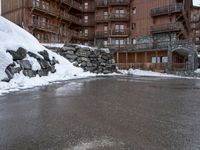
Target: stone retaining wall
[93, 60]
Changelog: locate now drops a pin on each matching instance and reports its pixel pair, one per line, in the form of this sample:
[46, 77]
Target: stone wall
[22, 63]
[89, 59]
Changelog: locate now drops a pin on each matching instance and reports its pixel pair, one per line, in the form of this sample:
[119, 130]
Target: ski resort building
[146, 34]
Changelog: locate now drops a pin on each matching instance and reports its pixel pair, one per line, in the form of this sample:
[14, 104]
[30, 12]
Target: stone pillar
[170, 61]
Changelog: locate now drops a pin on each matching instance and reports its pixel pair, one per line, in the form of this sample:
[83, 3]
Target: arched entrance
[181, 59]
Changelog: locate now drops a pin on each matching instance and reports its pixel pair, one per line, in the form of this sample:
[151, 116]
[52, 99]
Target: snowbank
[138, 72]
[11, 38]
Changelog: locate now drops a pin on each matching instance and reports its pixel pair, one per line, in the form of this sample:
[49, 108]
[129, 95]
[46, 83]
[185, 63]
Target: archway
[183, 59]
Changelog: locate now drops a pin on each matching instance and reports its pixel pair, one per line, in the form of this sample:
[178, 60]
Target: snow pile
[139, 72]
[197, 71]
[11, 38]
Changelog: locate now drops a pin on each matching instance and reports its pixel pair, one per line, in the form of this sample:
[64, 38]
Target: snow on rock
[12, 37]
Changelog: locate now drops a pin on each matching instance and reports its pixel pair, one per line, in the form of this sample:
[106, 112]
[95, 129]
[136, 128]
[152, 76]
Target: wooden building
[145, 34]
[47, 20]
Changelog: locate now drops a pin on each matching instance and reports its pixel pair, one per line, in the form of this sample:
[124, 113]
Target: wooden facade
[47, 20]
[138, 32]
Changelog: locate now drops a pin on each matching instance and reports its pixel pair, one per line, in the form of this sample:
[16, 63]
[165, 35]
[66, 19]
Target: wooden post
[126, 60]
[145, 57]
[117, 57]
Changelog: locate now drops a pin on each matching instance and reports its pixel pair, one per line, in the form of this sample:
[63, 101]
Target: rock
[68, 49]
[83, 64]
[45, 55]
[19, 54]
[29, 73]
[71, 57]
[53, 61]
[34, 55]
[25, 64]
[53, 69]
[43, 72]
[44, 64]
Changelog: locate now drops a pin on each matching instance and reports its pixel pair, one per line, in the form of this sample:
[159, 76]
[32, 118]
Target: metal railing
[71, 18]
[101, 3]
[101, 18]
[160, 45]
[173, 8]
[48, 9]
[119, 2]
[177, 26]
[88, 23]
[120, 32]
[119, 16]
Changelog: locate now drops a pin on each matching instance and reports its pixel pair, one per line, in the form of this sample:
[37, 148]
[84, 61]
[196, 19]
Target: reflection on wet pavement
[119, 113]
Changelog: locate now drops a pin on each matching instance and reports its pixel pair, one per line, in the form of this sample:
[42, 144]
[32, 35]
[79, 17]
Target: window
[134, 41]
[133, 26]
[119, 28]
[85, 19]
[134, 10]
[86, 32]
[119, 12]
[105, 29]
[86, 5]
[105, 15]
[105, 43]
[153, 60]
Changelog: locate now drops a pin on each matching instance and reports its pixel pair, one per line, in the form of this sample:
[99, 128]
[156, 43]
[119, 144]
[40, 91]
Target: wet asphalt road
[107, 113]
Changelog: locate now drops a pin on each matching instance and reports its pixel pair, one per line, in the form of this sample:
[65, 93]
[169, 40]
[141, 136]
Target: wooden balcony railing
[120, 17]
[43, 26]
[178, 26]
[102, 34]
[120, 32]
[119, 2]
[73, 4]
[47, 9]
[89, 9]
[173, 8]
[101, 18]
[71, 18]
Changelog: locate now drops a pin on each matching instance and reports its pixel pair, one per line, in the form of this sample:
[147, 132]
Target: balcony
[120, 32]
[71, 18]
[169, 9]
[102, 18]
[120, 17]
[102, 3]
[89, 9]
[74, 4]
[44, 26]
[171, 27]
[46, 9]
[119, 2]
[102, 34]
[77, 35]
